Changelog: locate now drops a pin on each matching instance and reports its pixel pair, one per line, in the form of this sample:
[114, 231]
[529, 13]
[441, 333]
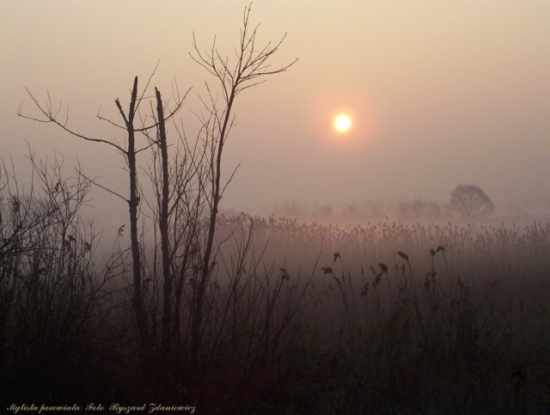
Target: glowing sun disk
[342, 123]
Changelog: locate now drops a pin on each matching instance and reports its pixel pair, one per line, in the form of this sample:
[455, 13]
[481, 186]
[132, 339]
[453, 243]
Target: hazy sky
[441, 92]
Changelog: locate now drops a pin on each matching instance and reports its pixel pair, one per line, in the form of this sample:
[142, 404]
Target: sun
[342, 123]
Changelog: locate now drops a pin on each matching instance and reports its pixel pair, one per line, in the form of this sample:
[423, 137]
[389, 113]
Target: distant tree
[470, 201]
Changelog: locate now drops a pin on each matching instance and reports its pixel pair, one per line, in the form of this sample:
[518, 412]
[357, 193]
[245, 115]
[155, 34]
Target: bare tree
[50, 114]
[187, 188]
[470, 201]
[249, 70]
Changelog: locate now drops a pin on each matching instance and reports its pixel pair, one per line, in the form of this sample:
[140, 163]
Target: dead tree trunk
[133, 202]
[166, 345]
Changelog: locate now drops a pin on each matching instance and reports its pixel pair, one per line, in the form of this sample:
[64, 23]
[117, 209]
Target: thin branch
[230, 179]
[99, 117]
[147, 85]
[100, 186]
[51, 118]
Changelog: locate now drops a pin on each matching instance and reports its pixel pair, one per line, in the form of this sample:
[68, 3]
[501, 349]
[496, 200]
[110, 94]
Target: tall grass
[300, 318]
[418, 319]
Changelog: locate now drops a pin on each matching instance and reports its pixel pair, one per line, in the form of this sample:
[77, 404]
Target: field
[380, 318]
[414, 318]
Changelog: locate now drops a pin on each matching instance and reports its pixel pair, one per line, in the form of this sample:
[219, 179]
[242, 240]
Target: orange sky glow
[439, 93]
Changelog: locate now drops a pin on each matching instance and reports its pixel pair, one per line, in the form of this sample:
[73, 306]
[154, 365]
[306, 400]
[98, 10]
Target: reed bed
[414, 318]
[379, 318]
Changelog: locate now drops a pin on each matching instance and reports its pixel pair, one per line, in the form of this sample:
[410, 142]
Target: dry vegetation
[301, 318]
[416, 318]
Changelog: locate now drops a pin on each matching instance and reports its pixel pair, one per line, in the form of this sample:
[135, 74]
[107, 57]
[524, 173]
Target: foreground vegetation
[299, 318]
[419, 319]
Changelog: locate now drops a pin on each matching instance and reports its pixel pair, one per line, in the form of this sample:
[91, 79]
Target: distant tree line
[466, 201]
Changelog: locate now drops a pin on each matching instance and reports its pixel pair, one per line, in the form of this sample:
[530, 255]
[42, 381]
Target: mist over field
[439, 94]
[278, 207]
